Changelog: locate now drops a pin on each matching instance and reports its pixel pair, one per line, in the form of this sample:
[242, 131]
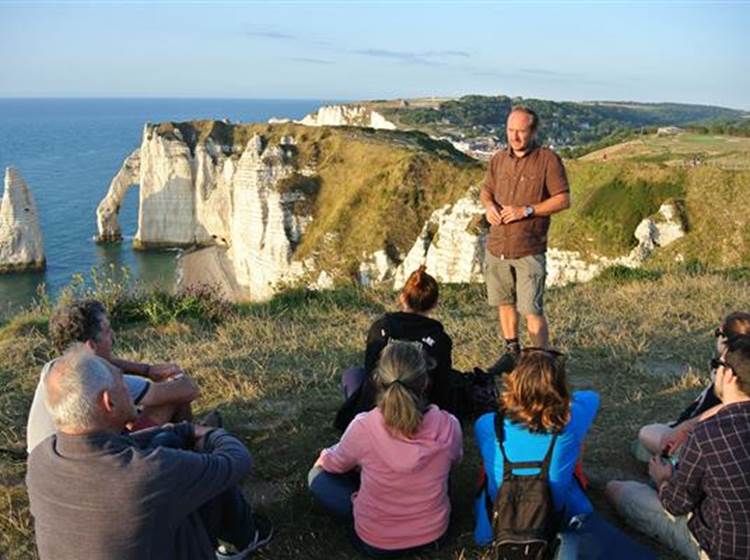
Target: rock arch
[107, 223]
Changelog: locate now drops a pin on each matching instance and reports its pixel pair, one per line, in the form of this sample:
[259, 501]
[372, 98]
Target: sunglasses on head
[555, 354]
[716, 362]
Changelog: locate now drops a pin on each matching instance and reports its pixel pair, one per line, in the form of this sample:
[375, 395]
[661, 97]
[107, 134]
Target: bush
[620, 274]
[127, 302]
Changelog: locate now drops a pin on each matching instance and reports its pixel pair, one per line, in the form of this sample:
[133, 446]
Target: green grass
[273, 369]
[728, 152]
[609, 200]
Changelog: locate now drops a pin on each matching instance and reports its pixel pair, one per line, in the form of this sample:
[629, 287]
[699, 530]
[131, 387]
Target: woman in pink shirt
[389, 473]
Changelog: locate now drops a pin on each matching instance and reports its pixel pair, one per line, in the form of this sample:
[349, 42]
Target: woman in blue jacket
[537, 404]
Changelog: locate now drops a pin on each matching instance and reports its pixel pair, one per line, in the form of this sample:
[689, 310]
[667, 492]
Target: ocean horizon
[68, 149]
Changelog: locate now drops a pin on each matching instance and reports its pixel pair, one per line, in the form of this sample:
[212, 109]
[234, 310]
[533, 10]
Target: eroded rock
[452, 243]
[21, 244]
[347, 115]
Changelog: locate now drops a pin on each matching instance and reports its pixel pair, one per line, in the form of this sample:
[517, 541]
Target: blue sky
[694, 52]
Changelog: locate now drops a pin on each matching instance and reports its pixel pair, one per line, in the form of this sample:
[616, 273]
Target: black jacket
[403, 326]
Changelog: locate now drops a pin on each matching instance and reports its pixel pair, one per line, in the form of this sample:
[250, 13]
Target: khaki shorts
[640, 507]
[518, 282]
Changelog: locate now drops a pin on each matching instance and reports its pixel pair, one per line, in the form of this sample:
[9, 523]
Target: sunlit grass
[272, 369]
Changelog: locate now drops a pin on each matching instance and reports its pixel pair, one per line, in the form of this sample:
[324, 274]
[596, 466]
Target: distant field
[726, 152]
[641, 340]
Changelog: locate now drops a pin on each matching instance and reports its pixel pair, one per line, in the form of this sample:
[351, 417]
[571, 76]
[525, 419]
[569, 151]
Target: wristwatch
[528, 211]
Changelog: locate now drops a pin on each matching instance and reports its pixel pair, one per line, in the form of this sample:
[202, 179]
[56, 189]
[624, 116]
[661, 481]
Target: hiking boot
[504, 364]
[263, 535]
[213, 420]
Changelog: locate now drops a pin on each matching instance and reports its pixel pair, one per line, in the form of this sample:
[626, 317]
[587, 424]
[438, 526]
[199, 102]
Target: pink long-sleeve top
[402, 501]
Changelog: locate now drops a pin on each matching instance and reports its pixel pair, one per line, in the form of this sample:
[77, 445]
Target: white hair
[80, 379]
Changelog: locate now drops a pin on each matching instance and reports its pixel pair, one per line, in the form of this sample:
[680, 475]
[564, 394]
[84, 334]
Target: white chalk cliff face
[21, 244]
[215, 196]
[347, 115]
[263, 227]
[250, 205]
[451, 246]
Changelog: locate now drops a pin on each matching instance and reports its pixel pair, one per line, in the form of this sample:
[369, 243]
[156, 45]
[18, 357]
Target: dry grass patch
[272, 370]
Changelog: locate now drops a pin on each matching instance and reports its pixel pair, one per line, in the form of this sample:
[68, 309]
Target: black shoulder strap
[386, 330]
[508, 465]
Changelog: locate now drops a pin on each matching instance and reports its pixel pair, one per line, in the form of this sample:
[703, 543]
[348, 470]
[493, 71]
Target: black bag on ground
[523, 517]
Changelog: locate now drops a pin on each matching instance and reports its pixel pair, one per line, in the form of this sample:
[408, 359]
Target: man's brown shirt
[515, 181]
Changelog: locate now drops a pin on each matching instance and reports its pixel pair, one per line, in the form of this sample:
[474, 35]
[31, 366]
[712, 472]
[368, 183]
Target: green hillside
[680, 150]
[609, 200]
[563, 123]
[611, 196]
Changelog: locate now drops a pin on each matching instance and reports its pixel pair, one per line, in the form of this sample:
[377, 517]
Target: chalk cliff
[452, 243]
[107, 224]
[204, 193]
[21, 245]
[347, 115]
[286, 204]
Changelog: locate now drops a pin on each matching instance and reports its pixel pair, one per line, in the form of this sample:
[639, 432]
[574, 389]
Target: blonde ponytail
[401, 378]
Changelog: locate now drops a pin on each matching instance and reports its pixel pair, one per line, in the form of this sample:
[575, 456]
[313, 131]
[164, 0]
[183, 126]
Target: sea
[68, 151]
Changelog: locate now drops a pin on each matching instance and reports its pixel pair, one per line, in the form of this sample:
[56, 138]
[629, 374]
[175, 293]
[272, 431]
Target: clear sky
[688, 51]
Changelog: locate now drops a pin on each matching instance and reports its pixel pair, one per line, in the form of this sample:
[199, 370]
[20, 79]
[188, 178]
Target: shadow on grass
[285, 450]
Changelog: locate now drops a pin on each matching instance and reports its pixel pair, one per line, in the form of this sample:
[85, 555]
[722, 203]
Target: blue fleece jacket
[522, 445]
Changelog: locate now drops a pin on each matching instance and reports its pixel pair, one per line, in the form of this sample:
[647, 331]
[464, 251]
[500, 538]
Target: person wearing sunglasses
[536, 404]
[701, 507]
[667, 439]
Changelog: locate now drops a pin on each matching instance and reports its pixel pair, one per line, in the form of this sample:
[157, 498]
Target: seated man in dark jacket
[98, 494]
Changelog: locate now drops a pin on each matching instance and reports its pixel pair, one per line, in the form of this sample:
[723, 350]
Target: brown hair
[420, 292]
[736, 323]
[738, 358]
[536, 392]
[77, 322]
[401, 380]
[528, 111]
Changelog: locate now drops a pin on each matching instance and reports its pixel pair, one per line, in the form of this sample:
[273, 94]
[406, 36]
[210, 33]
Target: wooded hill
[563, 123]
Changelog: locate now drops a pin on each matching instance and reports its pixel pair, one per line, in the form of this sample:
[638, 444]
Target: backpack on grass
[523, 517]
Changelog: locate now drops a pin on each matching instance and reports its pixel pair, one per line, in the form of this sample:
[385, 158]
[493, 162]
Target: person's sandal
[504, 364]
[213, 420]
[263, 535]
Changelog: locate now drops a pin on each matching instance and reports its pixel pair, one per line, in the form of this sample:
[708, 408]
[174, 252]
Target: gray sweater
[110, 497]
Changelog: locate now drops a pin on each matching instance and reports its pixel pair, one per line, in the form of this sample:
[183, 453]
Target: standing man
[525, 185]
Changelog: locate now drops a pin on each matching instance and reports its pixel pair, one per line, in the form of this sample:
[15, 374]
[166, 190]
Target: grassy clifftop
[611, 196]
[375, 189]
[370, 189]
[273, 371]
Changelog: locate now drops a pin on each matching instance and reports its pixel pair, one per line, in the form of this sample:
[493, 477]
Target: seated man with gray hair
[162, 391]
[96, 493]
